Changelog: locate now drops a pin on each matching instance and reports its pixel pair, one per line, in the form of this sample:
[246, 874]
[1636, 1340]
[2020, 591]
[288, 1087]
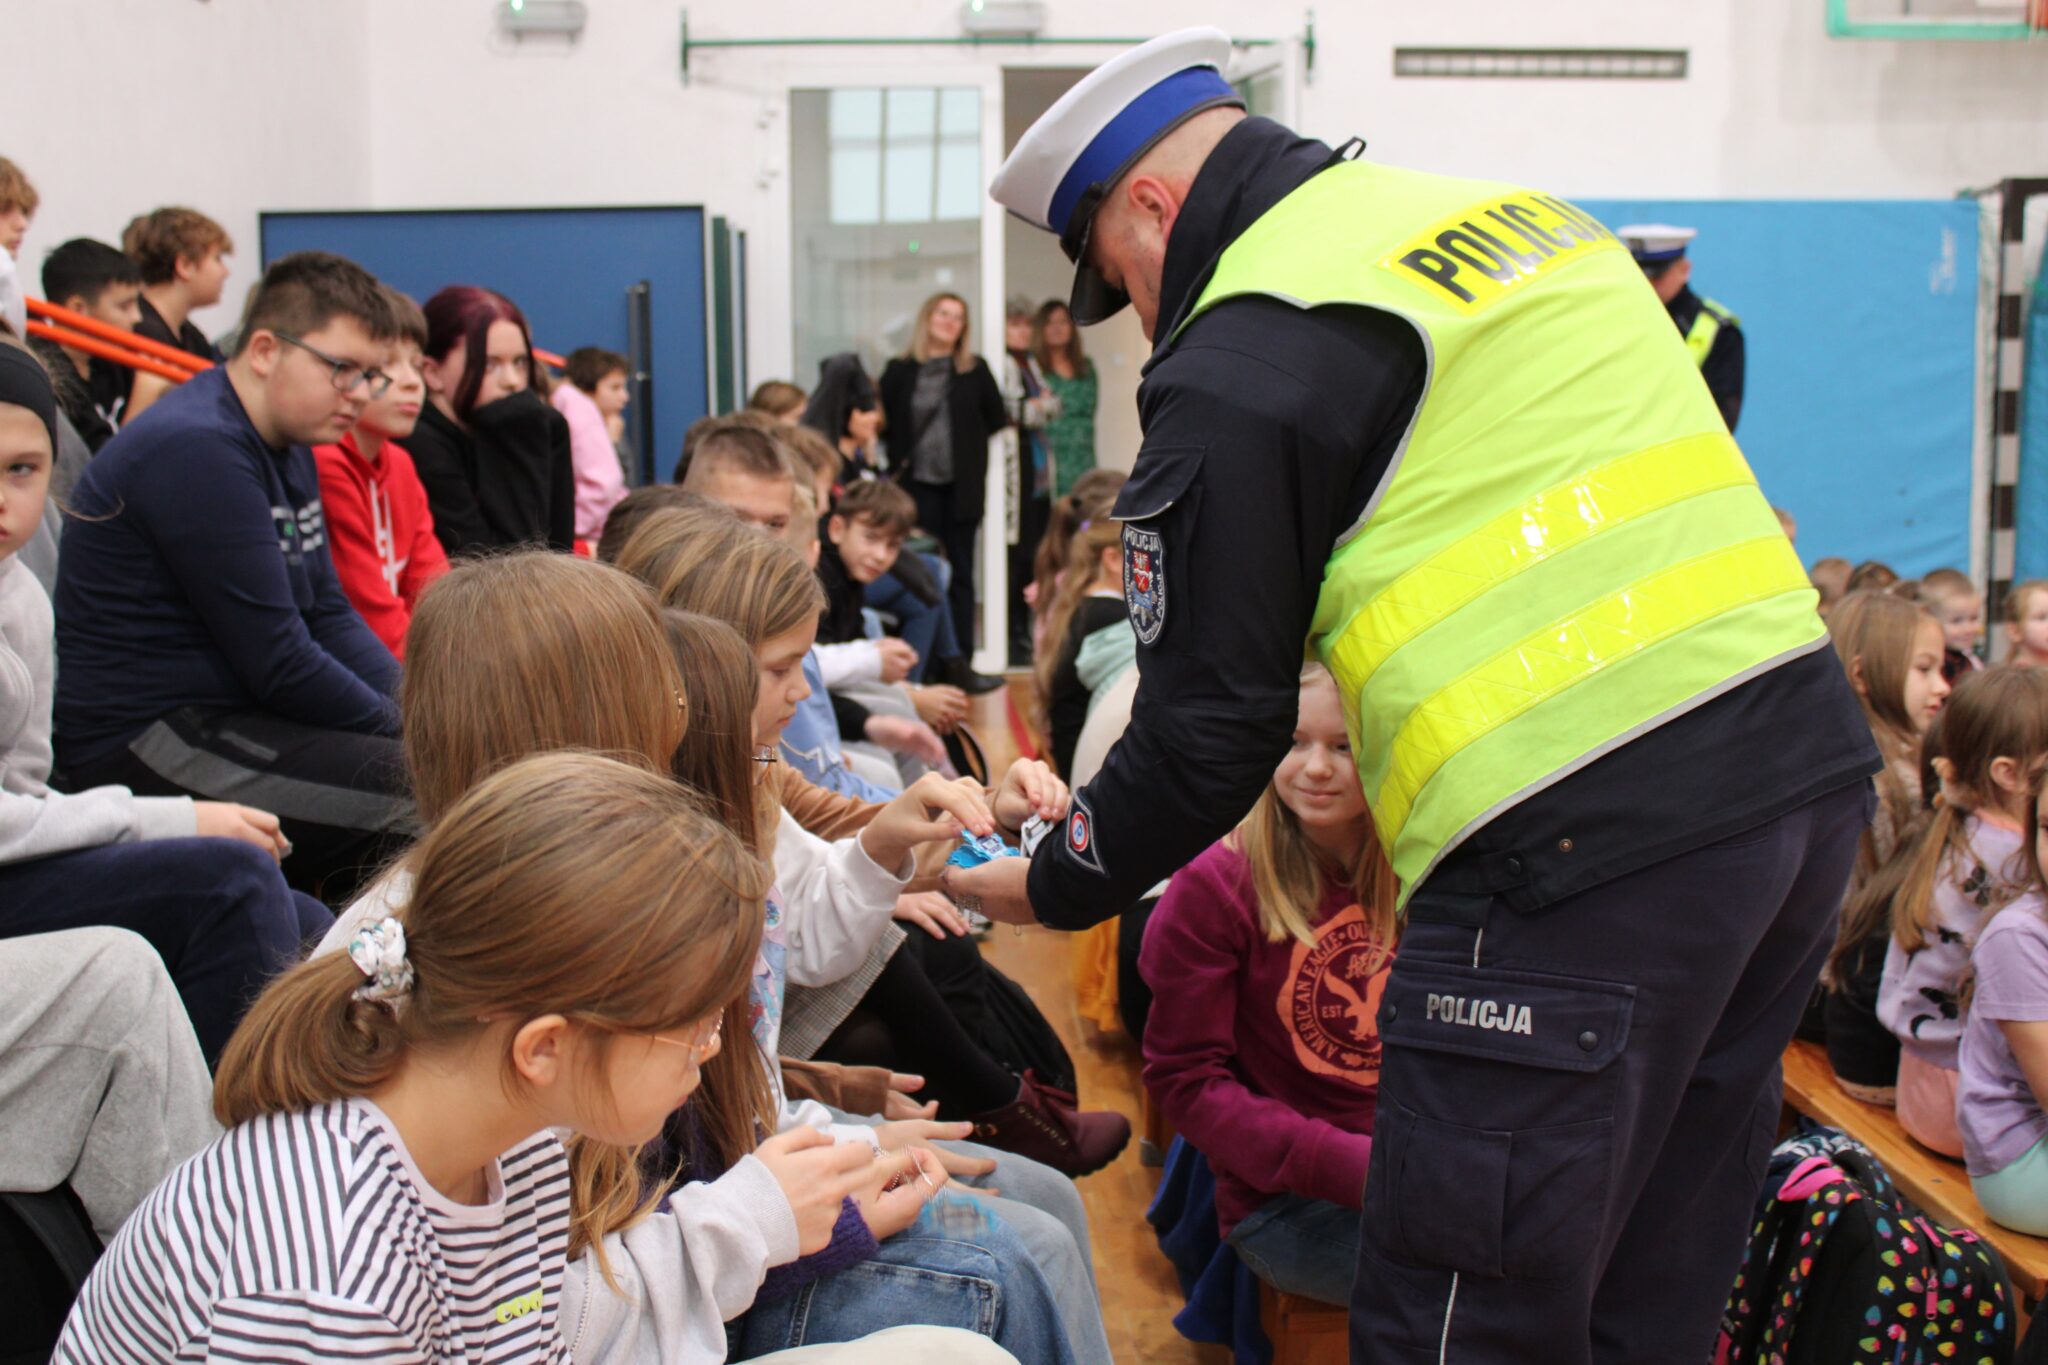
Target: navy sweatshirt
[195, 573]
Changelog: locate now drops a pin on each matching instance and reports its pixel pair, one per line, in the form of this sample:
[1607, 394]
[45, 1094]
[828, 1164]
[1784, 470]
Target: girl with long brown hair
[1268, 955]
[1892, 651]
[572, 930]
[1970, 860]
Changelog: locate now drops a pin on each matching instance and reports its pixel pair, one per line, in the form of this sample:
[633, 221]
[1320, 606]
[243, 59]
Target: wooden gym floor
[1139, 1292]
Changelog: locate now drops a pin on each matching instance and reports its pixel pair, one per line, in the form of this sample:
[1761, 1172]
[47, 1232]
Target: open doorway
[1034, 267]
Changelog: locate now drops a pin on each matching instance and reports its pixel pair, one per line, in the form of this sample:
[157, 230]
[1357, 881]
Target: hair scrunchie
[378, 950]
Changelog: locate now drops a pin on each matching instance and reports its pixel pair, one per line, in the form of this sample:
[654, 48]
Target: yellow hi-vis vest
[1568, 548]
[1706, 329]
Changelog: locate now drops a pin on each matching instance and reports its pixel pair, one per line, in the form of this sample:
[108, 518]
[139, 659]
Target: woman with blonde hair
[940, 405]
[1267, 957]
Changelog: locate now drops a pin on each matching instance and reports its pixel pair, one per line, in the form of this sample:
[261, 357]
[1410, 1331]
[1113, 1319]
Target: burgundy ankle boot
[1043, 1124]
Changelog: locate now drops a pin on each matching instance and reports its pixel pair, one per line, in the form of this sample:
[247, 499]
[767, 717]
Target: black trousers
[341, 797]
[956, 530]
[1034, 514]
[1577, 1104]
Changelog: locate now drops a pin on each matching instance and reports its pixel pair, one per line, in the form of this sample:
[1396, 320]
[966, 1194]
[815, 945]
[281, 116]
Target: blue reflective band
[1131, 131]
[1655, 257]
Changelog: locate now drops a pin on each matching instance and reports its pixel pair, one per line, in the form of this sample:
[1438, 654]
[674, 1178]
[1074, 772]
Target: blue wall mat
[1861, 323]
[567, 269]
[2031, 557]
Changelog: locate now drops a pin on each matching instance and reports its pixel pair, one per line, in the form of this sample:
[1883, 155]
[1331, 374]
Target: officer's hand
[997, 889]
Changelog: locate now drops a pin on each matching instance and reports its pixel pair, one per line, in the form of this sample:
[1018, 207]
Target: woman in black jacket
[491, 453]
[941, 405]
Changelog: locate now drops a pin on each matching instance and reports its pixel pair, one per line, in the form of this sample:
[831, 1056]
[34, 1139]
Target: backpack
[1842, 1270]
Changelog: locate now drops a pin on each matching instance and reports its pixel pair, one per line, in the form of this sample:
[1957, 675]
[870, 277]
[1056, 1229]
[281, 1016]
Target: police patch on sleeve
[1145, 581]
[1081, 836]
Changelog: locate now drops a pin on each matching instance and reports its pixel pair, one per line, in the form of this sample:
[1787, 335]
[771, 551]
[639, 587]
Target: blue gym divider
[1861, 323]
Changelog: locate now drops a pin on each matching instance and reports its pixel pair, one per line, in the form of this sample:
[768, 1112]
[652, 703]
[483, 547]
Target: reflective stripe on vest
[1569, 548]
[1706, 330]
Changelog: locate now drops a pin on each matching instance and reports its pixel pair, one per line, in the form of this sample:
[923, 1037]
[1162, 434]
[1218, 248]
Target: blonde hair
[1085, 549]
[567, 884]
[1873, 634]
[721, 567]
[1289, 874]
[921, 333]
[2016, 602]
[515, 654]
[2001, 712]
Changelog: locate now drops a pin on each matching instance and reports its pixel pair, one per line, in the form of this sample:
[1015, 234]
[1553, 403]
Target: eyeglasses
[348, 376]
[703, 1037]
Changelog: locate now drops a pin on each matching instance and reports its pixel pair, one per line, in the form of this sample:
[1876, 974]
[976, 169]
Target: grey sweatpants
[102, 1086]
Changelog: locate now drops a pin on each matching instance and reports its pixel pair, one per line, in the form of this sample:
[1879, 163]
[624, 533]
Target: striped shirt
[312, 1237]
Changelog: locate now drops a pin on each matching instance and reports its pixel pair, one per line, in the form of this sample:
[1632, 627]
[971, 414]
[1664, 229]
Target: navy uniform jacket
[1266, 429]
[1725, 362]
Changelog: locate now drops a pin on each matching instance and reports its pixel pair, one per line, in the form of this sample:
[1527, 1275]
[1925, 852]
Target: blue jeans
[217, 912]
[926, 627]
[1303, 1246]
[1044, 1209]
[958, 1265]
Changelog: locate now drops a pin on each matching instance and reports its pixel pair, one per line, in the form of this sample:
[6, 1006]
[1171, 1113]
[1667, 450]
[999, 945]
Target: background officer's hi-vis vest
[1706, 329]
[1569, 548]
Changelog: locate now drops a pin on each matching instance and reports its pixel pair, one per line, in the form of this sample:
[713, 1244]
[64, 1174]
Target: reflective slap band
[1546, 525]
[1570, 650]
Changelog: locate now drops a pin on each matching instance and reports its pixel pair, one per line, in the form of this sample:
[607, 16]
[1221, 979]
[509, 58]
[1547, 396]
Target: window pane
[856, 114]
[960, 113]
[959, 180]
[913, 114]
[856, 185]
[907, 183]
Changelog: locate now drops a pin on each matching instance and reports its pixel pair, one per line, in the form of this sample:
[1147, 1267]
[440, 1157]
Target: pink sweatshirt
[599, 482]
[1265, 1056]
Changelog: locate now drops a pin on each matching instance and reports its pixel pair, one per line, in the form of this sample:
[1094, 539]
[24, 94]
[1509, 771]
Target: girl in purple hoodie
[1268, 955]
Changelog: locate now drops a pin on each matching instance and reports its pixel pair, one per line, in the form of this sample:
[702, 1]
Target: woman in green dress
[1071, 375]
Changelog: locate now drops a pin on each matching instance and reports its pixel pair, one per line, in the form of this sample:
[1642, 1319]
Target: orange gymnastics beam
[188, 363]
[107, 350]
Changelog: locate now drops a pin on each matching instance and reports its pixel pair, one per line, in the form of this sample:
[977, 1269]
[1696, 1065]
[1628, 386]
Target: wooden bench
[1940, 1186]
[1304, 1331]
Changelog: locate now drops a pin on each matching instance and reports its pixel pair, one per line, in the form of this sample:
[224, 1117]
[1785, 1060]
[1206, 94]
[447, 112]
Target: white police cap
[1078, 149]
[1655, 244]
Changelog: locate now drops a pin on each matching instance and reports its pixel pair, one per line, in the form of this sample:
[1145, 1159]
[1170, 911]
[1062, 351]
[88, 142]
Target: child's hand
[933, 808]
[225, 820]
[931, 912]
[902, 735]
[897, 1137]
[898, 1186]
[817, 1175]
[898, 658]
[940, 706]
[1029, 789]
[899, 1105]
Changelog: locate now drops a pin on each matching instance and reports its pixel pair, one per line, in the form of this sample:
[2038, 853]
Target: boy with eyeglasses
[204, 643]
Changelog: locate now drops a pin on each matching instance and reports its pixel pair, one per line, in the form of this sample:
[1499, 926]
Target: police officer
[1437, 430]
[1712, 334]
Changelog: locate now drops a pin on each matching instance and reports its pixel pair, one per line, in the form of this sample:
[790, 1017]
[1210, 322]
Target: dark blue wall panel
[567, 269]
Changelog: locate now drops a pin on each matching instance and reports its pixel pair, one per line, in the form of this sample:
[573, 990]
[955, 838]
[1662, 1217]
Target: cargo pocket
[1158, 508]
[1494, 1140]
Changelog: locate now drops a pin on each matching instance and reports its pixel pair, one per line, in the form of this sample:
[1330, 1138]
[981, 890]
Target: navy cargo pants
[1577, 1103]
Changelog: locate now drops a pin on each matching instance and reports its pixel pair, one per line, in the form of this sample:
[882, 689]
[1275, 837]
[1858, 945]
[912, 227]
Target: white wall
[237, 105]
[115, 107]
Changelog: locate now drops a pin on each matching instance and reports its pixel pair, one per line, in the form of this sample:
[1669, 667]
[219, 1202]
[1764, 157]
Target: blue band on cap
[1131, 131]
[1658, 257]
